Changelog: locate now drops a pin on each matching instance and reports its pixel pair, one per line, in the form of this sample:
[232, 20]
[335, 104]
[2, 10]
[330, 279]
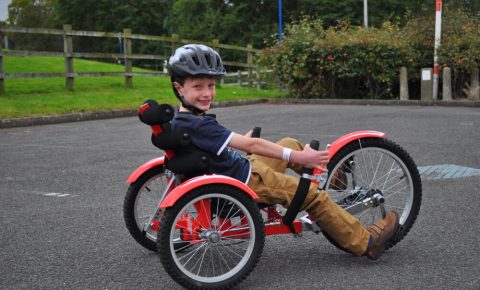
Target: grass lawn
[47, 96]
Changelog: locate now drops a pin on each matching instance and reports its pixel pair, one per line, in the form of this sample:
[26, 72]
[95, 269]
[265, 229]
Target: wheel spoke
[388, 194]
[227, 216]
[232, 251]
[201, 260]
[230, 228]
[191, 254]
[223, 258]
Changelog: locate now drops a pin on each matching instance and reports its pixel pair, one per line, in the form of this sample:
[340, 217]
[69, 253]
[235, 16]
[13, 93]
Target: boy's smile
[198, 92]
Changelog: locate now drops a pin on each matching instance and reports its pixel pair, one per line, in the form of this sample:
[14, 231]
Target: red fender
[196, 182]
[144, 168]
[344, 140]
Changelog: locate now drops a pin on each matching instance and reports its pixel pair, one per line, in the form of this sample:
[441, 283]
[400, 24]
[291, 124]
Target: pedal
[309, 225]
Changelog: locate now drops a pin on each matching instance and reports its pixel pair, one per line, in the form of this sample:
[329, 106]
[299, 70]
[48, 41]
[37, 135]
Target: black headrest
[151, 113]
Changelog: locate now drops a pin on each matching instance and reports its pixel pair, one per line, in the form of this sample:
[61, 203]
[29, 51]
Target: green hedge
[354, 62]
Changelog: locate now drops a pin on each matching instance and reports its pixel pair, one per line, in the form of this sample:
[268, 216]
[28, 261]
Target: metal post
[68, 51]
[438, 34]
[365, 13]
[280, 21]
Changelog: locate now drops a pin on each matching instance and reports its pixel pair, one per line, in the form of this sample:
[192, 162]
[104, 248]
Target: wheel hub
[212, 237]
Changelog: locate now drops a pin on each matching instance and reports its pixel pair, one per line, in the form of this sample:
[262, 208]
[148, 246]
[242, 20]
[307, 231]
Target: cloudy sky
[4, 9]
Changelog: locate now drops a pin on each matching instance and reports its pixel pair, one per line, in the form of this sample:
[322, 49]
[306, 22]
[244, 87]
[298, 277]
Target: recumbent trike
[210, 232]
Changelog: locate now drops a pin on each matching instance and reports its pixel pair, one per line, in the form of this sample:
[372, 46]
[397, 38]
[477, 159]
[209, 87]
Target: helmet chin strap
[191, 108]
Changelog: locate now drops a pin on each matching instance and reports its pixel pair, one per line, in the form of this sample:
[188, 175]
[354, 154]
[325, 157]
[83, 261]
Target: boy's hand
[249, 134]
[311, 158]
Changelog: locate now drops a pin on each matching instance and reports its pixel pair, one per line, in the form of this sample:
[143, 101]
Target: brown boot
[380, 232]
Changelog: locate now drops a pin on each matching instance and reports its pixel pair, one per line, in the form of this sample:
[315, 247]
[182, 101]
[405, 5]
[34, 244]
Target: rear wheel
[376, 170]
[224, 232]
[140, 207]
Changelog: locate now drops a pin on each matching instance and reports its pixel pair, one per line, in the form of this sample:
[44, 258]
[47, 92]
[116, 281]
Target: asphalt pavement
[62, 188]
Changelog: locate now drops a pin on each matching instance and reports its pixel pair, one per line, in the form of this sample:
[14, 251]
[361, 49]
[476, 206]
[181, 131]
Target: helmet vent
[207, 58]
[195, 60]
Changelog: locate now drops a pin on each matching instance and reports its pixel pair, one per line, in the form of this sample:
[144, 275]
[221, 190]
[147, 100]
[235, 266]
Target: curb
[77, 117]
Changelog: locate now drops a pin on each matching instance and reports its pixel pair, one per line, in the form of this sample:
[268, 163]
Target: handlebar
[256, 132]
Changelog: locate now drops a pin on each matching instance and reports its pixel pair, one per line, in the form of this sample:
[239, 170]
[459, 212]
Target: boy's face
[198, 92]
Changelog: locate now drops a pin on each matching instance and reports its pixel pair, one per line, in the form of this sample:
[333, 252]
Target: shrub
[353, 62]
[341, 61]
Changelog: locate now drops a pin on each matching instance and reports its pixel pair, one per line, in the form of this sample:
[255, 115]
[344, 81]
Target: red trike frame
[274, 226]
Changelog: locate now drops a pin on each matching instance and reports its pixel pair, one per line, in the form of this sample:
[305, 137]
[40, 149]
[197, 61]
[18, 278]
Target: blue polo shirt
[208, 135]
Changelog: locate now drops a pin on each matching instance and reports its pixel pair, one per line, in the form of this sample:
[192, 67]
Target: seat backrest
[173, 141]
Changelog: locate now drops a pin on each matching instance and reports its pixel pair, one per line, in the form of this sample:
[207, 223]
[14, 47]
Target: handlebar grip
[256, 132]
[314, 144]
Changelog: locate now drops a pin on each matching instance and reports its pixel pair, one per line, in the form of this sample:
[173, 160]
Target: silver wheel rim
[214, 258]
[147, 201]
[377, 168]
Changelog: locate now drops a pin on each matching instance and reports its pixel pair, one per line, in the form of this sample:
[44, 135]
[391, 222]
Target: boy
[194, 70]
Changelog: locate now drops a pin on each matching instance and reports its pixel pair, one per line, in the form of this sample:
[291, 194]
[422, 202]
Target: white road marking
[49, 194]
[446, 171]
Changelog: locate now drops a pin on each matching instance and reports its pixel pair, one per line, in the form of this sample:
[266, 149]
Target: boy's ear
[177, 86]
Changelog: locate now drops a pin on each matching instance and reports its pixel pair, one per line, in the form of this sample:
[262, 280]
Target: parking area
[62, 189]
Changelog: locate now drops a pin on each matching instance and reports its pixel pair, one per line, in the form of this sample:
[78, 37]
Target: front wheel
[378, 171]
[223, 233]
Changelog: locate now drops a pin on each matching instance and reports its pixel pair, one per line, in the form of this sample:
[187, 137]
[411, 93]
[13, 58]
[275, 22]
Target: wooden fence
[250, 75]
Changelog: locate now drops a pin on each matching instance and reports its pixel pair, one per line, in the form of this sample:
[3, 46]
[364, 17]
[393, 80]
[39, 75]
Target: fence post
[127, 42]
[257, 74]
[215, 47]
[216, 42]
[5, 39]
[427, 84]
[250, 66]
[2, 75]
[239, 78]
[403, 84]
[68, 51]
[474, 85]
[447, 84]
[175, 39]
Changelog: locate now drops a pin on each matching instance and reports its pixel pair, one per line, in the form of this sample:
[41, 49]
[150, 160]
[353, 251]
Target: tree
[28, 13]
[141, 16]
[36, 13]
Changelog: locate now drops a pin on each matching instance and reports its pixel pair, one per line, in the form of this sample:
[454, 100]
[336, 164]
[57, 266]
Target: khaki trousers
[273, 186]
